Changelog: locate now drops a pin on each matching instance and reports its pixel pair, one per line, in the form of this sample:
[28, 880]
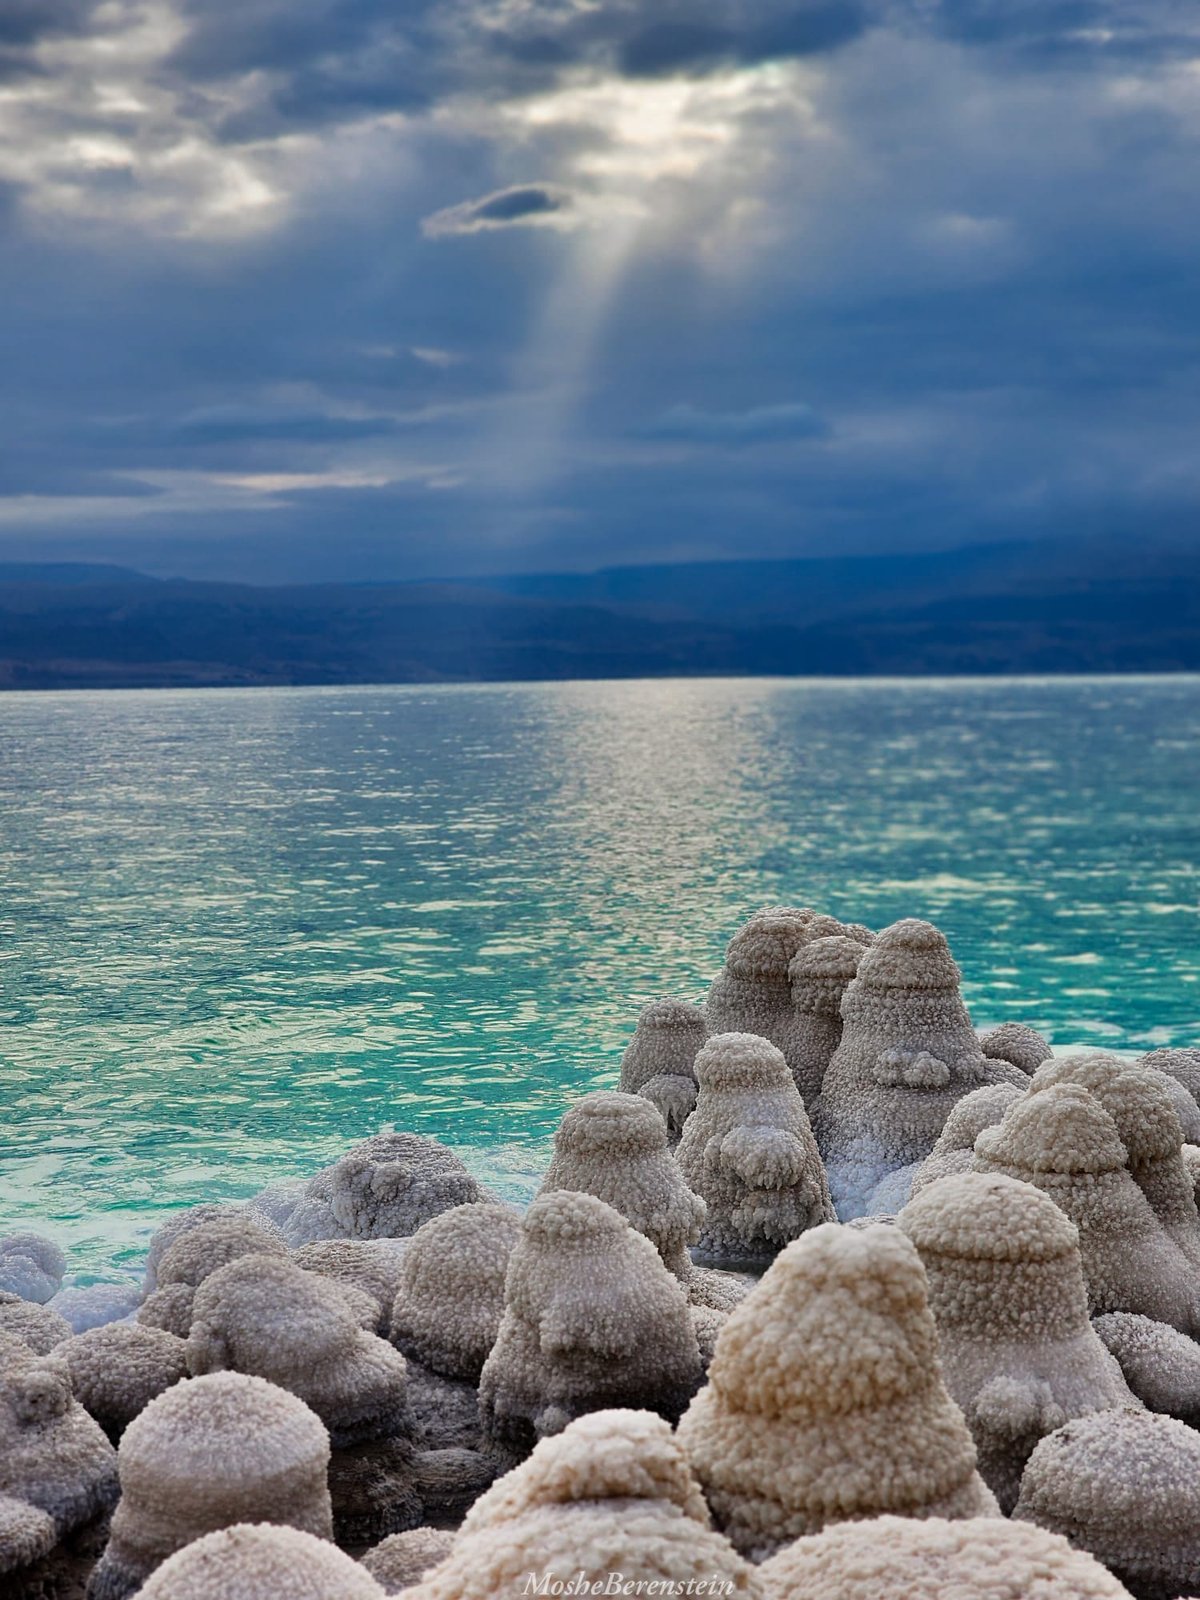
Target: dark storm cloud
[528, 202]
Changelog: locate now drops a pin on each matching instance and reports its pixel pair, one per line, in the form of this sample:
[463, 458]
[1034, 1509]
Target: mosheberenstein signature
[616, 1583]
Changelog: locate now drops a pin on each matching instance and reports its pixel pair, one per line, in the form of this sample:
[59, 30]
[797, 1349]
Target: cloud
[526, 203]
[759, 425]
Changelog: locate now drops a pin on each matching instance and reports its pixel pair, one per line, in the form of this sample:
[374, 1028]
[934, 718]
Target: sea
[241, 929]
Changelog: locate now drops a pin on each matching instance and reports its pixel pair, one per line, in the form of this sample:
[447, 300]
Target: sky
[298, 290]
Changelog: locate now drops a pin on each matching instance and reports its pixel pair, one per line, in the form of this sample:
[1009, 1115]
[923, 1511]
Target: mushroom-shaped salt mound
[403, 1559]
[1182, 1065]
[209, 1453]
[1006, 1290]
[1141, 1107]
[955, 1150]
[38, 1327]
[908, 1053]
[752, 992]
[1062, 1140]
[181, 1222]
[615, 1147]
[611, 1494]
[824, 1401]
[592, 1319]
[367, 1270]
[385, 1187]
[31, 1266]
[1020, 1045]
[818, 975]
[118, 1369]
[271, 1318]
[260, 1562]
[194, 1254]
[1126, 1486]
[748, 1151]
[657, 1063]
[58, 1473]
[1160, 1364]
[903, 1559]
[448, 1306]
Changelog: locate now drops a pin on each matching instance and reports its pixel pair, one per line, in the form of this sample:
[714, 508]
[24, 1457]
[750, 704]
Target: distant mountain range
[1099, 607]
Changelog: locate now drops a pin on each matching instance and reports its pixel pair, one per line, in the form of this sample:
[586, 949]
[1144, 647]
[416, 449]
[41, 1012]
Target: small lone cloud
[760, 424]
[522, 205]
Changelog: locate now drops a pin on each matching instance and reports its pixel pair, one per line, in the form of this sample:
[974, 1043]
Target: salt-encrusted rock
[385, 1187]
[615, 1147]
[1018, 1354]
[955, 1150]
[450, 1296]
[53, 1456]
[193, 1255]
[31, 1266]
[1062, 1140]
[752, 992]
[592, 1319]
[370, 1268]
[209, 1453]
[900, 1558]
[1160, 1364]
[748, 1151]
[403, 1559]
[1191, 1164]
[1182, 1065]
[117, 1370]
[612, 1493]
[658, 1060]
[260, 1562]
[1141, 1106]
[182, 1222]
[908, 1053]
[39, 1327]
[95, 1305]
[1126, 1486]
[825, 1402]
[818, 976]
[1017, 1043]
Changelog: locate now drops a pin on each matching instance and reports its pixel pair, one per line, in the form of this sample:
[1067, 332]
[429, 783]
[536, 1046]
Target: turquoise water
[240, 929]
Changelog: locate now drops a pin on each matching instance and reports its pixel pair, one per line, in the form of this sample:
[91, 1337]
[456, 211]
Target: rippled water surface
[239, 930]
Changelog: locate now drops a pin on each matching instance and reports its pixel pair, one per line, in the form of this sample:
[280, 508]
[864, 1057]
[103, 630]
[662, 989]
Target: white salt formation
[899, 1558]
[615, 1147]
[825, 1402]
[368, 1268]
[1160, 1365]
[752, 992]
[1062, 1140]
[658, 1061]
[191, 1256]
[207, 1454]
[1018, 1044]
[94, 1305]
[58, 1473]
[1142, 1109]
[748, 1151]
[818, 976]
[31, 1266]
[260, 1562]
[403, 1559]
[954, 1151]
[908, 1053]
[446, 1315]
[1018, 1354]
[182, 1222]
[1182, 1065]
[612, 1493]
[38, 1327]
[385, 1187]
[117, 1370]
[592, 1319]
[1126, 1486]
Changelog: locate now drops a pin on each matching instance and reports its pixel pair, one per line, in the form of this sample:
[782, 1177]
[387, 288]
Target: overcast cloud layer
[346, 288]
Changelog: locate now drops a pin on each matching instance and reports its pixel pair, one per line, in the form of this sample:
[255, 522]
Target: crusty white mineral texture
[658, 1060]
[1018, 1353]
[261, 1562]
[118, 1369]
[825, 1401]
[748, 1151]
